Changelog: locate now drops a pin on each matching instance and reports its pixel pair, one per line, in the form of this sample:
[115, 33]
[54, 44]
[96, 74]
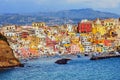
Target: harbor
[60, 40]
[76, 69]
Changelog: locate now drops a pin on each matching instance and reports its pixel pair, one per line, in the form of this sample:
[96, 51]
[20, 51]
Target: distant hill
[52, 18]
[87, 13]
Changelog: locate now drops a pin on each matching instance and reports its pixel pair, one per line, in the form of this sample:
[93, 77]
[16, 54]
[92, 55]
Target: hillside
[52, 18]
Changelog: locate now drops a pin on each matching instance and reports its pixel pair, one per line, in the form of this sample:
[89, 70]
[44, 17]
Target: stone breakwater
[104, 56]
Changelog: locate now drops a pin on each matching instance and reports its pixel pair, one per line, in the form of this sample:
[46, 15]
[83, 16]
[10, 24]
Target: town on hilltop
[87, 37]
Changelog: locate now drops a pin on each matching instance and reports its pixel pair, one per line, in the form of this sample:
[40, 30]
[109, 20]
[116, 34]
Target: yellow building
[118, 32]
[71, 33]
[101, 29]
[94, 30]
[67, 45]
[75, 40]
[38, 24]
[99, 49]
[81, 48]
[109, 22]
[98, 28]
[34, 41]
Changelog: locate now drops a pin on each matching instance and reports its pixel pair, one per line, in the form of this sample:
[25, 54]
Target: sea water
[76, 69]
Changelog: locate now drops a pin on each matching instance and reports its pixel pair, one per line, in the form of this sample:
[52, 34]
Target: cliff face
[7, 58]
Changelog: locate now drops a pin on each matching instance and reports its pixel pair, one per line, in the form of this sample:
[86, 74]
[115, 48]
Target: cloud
[89, 3]
[26, 5]
[76, 1]
[97, 3]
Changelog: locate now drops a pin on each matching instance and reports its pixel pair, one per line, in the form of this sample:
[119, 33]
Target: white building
[9, 28]
[10, 34]
[70, 28]
[88, 48]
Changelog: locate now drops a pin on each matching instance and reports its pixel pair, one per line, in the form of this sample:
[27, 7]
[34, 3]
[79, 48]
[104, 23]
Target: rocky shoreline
[7, 58]
[10, 64]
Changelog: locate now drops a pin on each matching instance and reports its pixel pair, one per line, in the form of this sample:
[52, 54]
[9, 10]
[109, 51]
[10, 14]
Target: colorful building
[37, 25]
[98, 27]
[84, 27]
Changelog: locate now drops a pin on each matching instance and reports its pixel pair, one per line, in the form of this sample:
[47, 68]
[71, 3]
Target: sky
[33, 6]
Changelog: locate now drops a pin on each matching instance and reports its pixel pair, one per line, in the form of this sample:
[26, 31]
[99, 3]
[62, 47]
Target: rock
[62, 61]
[86, 54]
[78, 56]
[21, 65]
[7, 58]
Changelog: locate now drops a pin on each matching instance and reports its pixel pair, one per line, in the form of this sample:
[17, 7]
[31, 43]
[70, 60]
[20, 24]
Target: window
[7, 28]
[111, 23]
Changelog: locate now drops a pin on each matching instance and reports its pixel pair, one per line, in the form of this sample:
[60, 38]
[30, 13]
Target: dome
[98, 21]
[85, 20]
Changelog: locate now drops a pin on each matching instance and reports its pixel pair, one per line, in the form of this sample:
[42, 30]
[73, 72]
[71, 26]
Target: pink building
[24, 53]
[74, 48]
[50, 43]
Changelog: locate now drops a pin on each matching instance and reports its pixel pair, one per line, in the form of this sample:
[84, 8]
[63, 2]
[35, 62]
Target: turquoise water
[76, 69]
